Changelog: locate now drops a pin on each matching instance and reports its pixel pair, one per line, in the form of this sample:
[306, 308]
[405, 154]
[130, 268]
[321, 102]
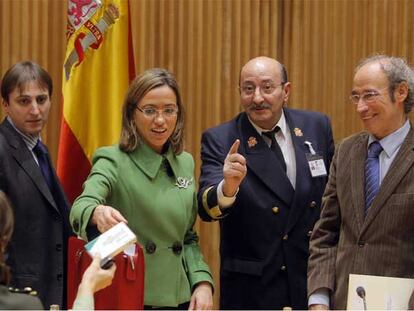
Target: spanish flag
[97, 70]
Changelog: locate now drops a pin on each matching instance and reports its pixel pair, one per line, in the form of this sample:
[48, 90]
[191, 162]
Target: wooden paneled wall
[35, 30]
[324, 40]
[205, 42]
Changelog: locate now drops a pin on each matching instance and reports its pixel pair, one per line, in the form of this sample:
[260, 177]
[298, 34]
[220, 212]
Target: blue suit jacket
[265, 233]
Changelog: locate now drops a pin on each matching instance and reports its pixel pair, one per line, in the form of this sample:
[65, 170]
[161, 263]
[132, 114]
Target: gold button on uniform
[283, 268]
[285, 237]
[312, 204]
[275, 209]
[309, 233]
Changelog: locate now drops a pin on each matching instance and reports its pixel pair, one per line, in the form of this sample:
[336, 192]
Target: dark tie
[372, 174]
[274, 146]
[41, 153]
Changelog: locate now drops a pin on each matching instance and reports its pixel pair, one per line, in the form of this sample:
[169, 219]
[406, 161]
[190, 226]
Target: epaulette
[26, 290]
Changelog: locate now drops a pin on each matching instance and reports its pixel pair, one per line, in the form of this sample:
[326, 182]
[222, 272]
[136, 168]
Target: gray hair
[397, 70]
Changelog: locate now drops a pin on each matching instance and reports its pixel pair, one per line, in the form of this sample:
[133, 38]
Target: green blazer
[156, 194]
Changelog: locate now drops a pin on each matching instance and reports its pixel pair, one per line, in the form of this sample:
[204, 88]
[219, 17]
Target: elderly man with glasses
[262, 177]
[366, 224]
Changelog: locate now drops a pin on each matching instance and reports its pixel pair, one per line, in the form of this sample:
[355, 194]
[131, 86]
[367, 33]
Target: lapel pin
[252, 141]
[298, 132]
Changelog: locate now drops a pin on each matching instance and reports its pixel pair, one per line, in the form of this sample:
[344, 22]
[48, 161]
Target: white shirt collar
[281, 123]
[392, 142]
[30, 140]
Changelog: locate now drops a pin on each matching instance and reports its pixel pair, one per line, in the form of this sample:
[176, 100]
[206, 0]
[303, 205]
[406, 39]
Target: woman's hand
[105, 217]
[95, 278]
[202, 297]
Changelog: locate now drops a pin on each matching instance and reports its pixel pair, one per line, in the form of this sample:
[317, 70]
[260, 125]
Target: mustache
[262, 105]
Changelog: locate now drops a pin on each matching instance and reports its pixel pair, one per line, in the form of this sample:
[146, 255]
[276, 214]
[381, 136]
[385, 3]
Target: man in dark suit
[37, 250]
[366, 224]
[266, 189]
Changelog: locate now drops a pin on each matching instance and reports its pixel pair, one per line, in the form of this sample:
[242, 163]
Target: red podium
[127, 289]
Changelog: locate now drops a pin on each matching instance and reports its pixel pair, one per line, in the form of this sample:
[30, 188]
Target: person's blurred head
[383, 93]
[264, 89]
[153, 113]
[26, 90]
[6, 230]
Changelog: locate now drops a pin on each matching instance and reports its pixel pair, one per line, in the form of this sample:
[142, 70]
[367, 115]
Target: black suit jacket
[37, 250]
[265, 233]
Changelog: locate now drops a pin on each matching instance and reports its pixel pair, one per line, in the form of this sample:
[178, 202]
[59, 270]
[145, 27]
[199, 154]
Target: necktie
[372, 174]
[41, 153]
[274, 146]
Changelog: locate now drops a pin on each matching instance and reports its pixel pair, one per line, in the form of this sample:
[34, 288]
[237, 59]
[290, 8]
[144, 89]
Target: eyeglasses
[266, 88]
[151, 112]
[367, 97]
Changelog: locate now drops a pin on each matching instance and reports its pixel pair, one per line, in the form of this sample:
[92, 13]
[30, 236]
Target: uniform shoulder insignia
[26, 290]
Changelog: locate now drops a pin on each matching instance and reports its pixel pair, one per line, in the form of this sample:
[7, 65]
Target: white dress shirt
[284, 139]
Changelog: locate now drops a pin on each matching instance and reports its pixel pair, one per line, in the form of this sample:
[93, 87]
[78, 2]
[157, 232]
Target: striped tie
[372, 174]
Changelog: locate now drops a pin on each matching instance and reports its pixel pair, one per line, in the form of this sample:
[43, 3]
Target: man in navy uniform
[256, 179]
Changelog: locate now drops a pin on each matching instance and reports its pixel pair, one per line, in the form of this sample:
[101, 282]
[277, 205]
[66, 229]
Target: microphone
[361, 293]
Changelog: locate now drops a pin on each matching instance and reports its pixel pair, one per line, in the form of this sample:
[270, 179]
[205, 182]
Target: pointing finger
[234, 147]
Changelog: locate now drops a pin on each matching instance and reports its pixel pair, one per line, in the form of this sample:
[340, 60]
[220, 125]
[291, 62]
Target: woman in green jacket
[147, 181]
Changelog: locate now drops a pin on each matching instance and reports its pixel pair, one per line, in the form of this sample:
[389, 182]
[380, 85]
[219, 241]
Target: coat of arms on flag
[97, 69]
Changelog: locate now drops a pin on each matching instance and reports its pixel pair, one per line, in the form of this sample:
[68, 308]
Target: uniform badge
[298, 132]
[183, 182]
[252, 141]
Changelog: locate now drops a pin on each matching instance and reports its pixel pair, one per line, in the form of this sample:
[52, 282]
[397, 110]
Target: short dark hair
[6, 230]
[21, 73]
[397, 70]
[147, 81]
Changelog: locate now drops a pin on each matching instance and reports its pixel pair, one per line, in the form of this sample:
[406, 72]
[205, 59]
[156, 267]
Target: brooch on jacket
[183, 182]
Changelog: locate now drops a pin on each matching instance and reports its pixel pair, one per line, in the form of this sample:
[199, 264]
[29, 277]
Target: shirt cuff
[222, 200]
[319, 297]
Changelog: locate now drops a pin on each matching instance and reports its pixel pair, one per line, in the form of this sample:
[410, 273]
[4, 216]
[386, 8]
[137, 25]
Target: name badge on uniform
[315, 162]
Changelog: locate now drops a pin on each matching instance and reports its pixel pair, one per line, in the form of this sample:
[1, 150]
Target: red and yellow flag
[98, 68]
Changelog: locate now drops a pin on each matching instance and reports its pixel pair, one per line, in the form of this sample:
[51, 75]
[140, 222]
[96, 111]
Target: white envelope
[111, 242]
